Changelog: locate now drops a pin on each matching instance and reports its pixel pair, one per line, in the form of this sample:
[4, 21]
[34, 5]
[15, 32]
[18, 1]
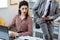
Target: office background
[8, 13]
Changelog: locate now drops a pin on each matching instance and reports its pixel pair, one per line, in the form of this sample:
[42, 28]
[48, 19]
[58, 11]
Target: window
[3, 3]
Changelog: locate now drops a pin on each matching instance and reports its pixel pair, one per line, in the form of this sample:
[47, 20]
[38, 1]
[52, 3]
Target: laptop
[4, 35]
[4, 29]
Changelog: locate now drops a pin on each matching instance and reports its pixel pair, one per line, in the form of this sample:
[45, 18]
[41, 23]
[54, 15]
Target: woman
[22, 21]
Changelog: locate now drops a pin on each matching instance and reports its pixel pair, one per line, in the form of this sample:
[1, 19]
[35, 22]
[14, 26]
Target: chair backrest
[2, 22]
[4, 33]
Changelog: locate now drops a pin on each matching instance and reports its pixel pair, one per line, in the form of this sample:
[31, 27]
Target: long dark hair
[21, 4]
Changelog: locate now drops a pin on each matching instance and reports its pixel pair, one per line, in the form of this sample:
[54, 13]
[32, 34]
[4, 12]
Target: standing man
[47, 11]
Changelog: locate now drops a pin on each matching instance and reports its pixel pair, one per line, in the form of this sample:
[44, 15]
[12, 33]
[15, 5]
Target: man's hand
[47, 18]
[37, 19]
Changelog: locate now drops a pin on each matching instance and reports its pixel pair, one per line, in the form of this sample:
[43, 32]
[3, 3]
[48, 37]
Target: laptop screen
[4, 29]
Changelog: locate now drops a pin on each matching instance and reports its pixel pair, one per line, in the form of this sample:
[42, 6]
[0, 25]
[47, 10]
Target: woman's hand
[14, 35]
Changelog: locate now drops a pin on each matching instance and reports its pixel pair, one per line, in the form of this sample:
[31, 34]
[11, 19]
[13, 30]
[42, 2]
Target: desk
[28, 38]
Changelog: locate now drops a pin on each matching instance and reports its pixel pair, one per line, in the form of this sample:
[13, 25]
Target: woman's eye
[26, 8]
[22, 8]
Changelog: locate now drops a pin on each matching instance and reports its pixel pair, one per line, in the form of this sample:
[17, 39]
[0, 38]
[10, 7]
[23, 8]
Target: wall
[8, 13]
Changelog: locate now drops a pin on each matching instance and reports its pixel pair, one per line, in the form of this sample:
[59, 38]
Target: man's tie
[48, 10]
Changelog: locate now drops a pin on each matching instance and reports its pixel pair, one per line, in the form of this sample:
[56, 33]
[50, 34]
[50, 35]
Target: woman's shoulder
[16, 16]
[29, 18]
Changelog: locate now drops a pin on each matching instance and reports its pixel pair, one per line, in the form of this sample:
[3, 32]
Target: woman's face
[24, 9]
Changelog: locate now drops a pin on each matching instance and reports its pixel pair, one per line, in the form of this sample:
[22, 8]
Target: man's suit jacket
[40, 6]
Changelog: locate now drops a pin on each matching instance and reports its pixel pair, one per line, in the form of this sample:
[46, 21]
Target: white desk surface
[28, 37]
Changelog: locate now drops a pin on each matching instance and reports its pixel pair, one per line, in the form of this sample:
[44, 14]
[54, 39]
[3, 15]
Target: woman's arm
[12, 23]
[29, 32]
